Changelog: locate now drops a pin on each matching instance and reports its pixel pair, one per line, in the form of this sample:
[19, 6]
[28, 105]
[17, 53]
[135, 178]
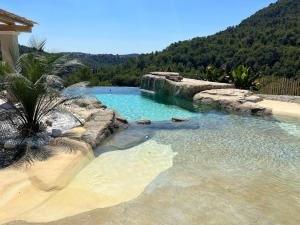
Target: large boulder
[99, 127]
[98, 122]
[83, 108]
[232, 100]
[187, 88]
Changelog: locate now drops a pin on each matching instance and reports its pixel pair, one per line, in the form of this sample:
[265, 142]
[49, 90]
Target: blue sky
[127, 26]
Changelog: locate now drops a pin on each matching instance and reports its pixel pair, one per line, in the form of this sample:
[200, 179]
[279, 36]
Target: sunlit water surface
[135, 104]
[228, 169]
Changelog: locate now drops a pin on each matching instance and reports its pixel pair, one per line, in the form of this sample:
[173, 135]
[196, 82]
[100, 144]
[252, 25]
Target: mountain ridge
[92, 60]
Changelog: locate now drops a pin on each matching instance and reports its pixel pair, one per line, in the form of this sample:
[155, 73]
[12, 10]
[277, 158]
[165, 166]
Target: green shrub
[243, 78]
[214, 75]
[124, 80]
[105, 83]
[34, 99]
[83, 74]
[5, 69]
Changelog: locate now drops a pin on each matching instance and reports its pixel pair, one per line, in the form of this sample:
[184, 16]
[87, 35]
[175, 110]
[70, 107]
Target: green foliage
[28, 95]
[126, 80]
[32, 67]
[83, 74]
[5, 70]
[243, 78]
[103, 83]
[214, 75]
[100, 60]
[37, 45]
[98, 78]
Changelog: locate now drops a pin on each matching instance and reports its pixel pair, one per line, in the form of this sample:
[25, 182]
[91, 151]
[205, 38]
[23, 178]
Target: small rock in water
[144, 122]
[9, 145]
[122, 120]
[56, 133]
[179, 120]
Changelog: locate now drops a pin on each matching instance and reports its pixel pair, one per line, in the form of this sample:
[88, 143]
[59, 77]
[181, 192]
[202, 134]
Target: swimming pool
[216, 169]
[135, 104]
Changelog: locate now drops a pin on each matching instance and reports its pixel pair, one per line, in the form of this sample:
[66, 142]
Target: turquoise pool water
[137, 107]
[227, 169]
[134, 104]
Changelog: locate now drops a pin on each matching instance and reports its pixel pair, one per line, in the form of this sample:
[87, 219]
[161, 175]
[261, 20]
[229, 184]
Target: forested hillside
[100, 60]
[268, 42]
[91, 60]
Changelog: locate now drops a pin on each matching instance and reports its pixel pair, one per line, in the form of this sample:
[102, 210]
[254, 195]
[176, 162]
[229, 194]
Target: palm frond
[32, 99]
[36, 44]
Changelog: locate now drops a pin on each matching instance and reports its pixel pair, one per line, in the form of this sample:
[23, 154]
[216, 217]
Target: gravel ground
[283, 98]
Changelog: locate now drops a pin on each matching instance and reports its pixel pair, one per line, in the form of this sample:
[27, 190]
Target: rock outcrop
[169, 76]
[187, 88]
[98, 121]
[85, 120]
[99, 127]
[232, 100]
[222, 95]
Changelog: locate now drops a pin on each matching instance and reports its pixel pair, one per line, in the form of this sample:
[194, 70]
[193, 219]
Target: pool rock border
[221, 95]
[98, 122]
[233, 100]
[186, 88]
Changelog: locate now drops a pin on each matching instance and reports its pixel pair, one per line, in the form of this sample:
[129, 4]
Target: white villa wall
[9, 46]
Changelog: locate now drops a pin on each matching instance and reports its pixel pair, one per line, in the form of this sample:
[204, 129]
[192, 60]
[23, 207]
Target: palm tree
[27, 87]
